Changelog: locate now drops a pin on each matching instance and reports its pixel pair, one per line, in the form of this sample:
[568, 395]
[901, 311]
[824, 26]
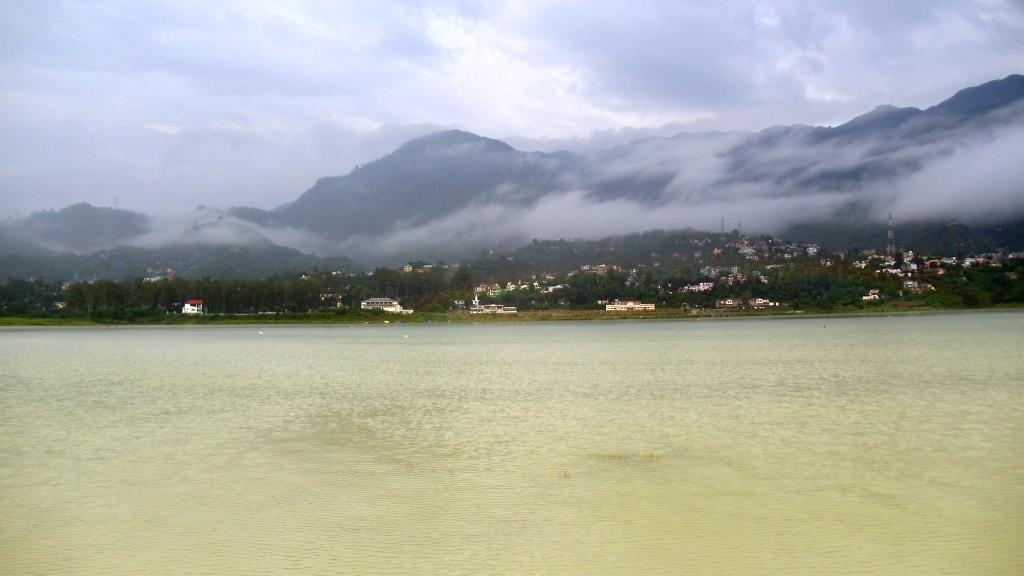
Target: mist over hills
[185, 260]
[453, 193]
[425, 179]
[79, 227]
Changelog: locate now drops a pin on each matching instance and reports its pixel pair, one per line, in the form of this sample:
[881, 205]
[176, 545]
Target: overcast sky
[163, 106]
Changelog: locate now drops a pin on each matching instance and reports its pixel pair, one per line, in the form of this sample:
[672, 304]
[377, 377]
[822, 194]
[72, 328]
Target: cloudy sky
[163, 106]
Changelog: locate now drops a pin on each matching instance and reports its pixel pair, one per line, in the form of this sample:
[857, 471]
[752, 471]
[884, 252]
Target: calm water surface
[837, 446]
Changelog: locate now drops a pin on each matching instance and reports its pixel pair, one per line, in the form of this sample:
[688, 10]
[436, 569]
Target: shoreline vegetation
[376, 318]
[684, 274]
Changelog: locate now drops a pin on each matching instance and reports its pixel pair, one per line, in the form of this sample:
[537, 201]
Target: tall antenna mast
[890, 241]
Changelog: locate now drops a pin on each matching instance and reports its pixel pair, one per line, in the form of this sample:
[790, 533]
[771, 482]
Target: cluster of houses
[600, 269]
[917, 287]
[729, 275]
[750, 304]
[540, 283]
[421, 269]
[392, 306]
[912, 286]
[495, 289]
[715, 270]
[914, 270]
[699, 287]
[751, 250]
[195, 306]
[774, 254]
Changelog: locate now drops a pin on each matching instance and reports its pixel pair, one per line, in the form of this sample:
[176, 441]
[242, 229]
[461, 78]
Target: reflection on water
[837, 446]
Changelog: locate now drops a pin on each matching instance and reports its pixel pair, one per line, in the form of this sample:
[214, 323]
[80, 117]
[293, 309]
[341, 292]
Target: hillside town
[683, 273]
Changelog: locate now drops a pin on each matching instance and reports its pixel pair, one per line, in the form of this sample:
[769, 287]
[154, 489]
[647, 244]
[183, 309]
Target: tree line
[801, 287]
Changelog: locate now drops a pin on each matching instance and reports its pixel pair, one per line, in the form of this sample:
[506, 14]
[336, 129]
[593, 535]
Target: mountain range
[453, 193]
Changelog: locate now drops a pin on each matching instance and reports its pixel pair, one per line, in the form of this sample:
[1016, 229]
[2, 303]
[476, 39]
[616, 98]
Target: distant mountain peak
[87, 208]
[884, 116]
[984, 97]
[450, 139]
[80, 227]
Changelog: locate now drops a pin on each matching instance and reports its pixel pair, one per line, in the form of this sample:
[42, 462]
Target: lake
[883, 445]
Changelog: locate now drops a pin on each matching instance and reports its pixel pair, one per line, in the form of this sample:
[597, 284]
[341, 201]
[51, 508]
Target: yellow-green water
[818, 446]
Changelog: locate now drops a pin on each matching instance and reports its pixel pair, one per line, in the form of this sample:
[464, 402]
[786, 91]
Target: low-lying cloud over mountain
[953, 161]
[453, 192]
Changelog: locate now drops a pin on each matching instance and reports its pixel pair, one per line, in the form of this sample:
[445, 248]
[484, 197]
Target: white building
[194, 306]
[761, 303]
[389, 305]
[627, 306]
[478, 308]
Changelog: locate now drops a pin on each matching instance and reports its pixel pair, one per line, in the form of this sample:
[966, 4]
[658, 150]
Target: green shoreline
[463, 318]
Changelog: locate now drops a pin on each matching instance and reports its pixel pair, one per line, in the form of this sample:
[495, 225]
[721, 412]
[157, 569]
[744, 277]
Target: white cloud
[189, 102]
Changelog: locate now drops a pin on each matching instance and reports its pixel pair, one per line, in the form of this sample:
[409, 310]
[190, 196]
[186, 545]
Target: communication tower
[890, 241]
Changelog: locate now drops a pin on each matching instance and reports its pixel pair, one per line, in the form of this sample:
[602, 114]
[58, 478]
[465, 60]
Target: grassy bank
[352, 317]
[28, 321]
[363, 317]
